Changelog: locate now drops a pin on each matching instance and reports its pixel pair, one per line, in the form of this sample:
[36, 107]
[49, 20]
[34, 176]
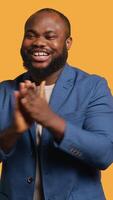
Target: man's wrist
[8, 138]
[56, 125]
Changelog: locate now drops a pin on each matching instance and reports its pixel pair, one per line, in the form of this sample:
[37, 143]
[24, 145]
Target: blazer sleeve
[93, 143]
[6, 107]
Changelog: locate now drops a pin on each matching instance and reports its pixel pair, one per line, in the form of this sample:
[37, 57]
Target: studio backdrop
[92, 49]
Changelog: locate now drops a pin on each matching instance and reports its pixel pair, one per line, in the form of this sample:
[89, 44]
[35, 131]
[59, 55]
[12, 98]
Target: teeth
[40, 54]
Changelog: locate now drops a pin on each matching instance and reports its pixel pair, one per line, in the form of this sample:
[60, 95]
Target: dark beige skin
[31, 104]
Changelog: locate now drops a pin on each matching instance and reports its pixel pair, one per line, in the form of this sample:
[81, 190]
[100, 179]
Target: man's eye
[29, 36]
[51, 37]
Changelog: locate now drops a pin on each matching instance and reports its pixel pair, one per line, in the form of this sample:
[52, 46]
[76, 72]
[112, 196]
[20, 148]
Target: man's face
[45, 45]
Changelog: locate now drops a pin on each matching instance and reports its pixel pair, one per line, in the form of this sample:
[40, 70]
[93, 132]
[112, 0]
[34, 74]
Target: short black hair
[63, 17]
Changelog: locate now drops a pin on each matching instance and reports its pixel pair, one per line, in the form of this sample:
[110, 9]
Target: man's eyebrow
[50, 31]
[31, 31]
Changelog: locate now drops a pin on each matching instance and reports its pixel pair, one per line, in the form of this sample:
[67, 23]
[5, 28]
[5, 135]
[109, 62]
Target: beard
[41, 73]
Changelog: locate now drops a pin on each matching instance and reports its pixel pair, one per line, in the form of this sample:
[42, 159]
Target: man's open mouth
[40, 56]
[40, 53]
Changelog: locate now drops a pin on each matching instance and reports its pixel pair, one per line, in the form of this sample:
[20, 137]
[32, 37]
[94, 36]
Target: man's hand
[33, 101]
[21, 120]
[31, 106]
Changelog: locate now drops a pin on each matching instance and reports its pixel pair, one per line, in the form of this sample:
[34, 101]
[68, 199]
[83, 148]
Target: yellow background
[92, 31]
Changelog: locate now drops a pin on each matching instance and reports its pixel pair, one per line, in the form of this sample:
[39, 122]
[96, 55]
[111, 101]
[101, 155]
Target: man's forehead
[44, 17]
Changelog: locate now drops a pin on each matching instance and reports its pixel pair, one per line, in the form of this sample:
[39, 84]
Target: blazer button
[29, 179]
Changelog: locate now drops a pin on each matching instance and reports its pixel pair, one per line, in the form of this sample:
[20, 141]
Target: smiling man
[56, 122]
[46, 44]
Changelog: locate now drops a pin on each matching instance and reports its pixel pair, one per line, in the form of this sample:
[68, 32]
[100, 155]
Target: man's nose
[39, 42]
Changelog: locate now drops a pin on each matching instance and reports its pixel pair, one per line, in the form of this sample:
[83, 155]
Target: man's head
[46, 42]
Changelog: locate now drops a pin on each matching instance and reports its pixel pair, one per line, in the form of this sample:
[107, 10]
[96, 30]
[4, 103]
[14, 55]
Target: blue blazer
[69, 170]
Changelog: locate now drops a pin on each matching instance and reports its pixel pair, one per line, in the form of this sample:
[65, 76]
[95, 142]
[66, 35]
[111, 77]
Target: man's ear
[68, 42]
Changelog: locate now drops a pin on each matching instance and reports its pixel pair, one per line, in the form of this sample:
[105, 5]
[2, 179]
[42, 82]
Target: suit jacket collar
[62, 87]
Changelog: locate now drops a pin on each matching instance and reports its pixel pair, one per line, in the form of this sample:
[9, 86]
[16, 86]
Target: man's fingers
[26, 87]
[42, 90]
[22, 89]
[29, 84]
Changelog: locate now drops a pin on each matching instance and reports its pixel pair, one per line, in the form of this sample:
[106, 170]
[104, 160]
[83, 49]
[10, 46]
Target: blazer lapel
[62, 88]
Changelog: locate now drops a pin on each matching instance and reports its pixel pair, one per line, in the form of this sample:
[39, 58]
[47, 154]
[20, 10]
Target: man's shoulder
[82, 75]
[12, 83]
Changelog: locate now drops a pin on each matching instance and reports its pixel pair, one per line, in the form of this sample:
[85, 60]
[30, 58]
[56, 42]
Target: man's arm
[20, 123]
[93, 142]
[8, 139]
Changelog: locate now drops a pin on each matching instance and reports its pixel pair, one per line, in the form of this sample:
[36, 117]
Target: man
[56, 121]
